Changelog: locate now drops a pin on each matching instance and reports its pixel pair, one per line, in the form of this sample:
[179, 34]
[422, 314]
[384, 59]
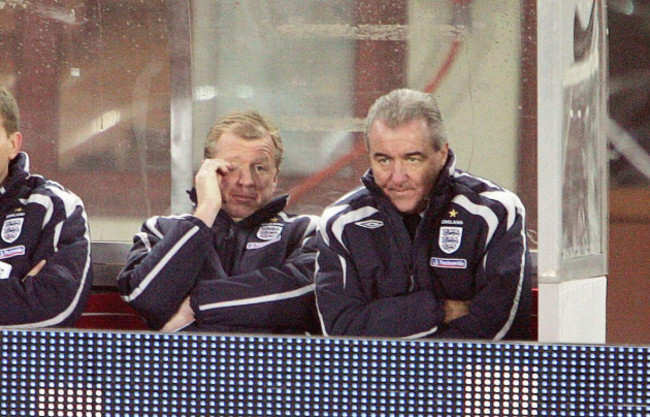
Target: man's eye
[383, 161]
[413, 159]
[261, 168]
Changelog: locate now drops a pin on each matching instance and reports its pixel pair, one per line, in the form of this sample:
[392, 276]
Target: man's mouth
[399, 190]
[243, 197]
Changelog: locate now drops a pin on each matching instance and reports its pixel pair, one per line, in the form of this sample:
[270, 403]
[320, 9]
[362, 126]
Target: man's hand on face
[208, 192]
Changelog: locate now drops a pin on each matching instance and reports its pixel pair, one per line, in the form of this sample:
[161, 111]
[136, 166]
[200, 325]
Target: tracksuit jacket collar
[18, 172]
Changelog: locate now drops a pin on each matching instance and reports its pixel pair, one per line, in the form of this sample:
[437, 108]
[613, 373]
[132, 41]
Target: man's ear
[275, 180]
[445, 152]
[15, 143]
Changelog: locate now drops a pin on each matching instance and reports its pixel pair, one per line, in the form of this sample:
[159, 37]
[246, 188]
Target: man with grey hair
[422, 249]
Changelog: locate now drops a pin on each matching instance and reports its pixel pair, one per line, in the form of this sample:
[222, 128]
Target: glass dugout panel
[118, 96]
[92, 79]
[315, 67]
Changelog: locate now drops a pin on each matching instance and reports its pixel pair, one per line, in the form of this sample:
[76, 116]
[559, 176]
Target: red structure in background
[380, 68]
[38, 86]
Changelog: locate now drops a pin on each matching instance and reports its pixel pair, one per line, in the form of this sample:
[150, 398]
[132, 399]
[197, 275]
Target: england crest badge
[450, 238]
[11, 229]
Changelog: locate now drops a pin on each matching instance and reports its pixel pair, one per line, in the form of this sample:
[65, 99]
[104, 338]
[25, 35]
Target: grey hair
[403, 105]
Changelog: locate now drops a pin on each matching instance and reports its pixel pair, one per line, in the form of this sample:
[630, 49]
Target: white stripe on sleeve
[160, 265]
[258, 300]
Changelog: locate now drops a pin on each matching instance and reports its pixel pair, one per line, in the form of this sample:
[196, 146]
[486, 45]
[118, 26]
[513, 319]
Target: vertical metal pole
[572, 290]
[180, 48]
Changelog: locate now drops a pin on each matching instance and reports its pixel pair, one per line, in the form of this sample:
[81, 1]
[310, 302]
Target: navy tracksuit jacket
[251, 276]
[470, 245]
[41, 220]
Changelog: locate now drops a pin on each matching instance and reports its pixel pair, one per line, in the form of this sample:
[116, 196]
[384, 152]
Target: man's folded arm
[163, 266]
[346, 311]
[271, 297]
[56, 289]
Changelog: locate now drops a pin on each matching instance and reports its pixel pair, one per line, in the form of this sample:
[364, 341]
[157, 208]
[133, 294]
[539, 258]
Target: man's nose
[399, 174]
[245, 176]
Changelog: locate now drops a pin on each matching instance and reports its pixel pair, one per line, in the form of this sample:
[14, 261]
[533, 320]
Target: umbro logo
[370, 224]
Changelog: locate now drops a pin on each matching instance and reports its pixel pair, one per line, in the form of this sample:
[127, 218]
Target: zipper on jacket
[407, 255]
[231, 232]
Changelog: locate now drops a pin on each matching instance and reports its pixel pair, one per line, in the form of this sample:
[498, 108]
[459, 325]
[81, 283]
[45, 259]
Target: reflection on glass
[93, 80]
[294, 61]
[584, 135]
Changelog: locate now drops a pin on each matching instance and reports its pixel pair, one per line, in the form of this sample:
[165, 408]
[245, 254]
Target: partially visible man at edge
[45, 268]
[422, 249]
[239, 263]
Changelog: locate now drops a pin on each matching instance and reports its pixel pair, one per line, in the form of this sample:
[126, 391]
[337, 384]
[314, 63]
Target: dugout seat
[105, 309]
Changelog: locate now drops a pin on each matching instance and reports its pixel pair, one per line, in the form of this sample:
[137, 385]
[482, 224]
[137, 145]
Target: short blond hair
[247, 124]
[9, 114]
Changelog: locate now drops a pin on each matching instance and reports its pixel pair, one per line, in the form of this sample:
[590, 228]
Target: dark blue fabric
[251, 276]
[41, 220]
[373, 281]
